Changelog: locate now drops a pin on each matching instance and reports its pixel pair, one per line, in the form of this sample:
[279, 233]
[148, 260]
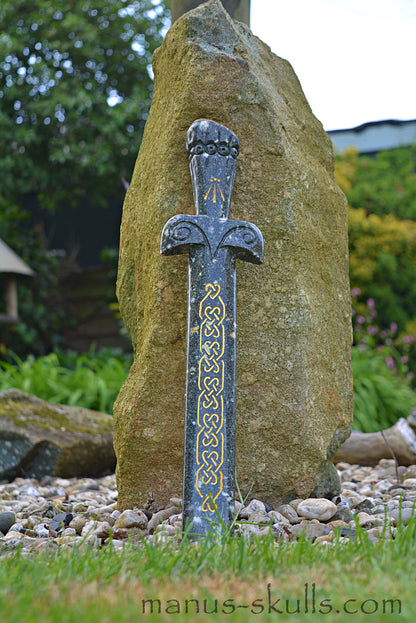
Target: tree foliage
[383, 184]
[381, 193]
[75, 87]
[383, 264]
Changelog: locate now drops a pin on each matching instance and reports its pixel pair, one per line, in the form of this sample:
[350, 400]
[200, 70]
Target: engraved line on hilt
[210, 438]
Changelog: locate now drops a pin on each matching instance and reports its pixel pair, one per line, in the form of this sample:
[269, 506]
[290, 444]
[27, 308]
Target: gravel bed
[57, 513]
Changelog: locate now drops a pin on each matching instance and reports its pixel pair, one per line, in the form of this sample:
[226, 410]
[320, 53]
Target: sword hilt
[213, 151]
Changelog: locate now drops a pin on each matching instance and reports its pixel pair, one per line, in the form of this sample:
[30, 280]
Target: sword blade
[209, 463]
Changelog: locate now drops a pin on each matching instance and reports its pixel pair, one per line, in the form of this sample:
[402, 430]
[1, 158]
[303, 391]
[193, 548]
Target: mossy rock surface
[38, 438]
[294, 381]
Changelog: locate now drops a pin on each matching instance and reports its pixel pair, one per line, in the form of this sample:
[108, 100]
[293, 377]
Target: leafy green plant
[381, 370]
[381, 396]
[90, 380]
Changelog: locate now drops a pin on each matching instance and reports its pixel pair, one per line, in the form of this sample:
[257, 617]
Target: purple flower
[370, 303]
[409, 339]
[355, 291]
[405, 359]
[390, 362]
[393, 327]
[372, 330]
[389, 341]
[360, 319]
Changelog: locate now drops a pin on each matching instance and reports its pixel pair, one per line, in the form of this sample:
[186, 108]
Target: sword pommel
[213, 151]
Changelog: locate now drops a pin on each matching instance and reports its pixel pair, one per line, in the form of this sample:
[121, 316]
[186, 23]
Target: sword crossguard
[213, 151]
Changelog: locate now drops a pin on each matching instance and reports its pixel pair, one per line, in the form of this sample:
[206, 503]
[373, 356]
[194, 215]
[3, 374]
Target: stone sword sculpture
[213, 242]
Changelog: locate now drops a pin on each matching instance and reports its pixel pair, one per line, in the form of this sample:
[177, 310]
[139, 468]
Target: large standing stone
[294, 385]
[238, 9]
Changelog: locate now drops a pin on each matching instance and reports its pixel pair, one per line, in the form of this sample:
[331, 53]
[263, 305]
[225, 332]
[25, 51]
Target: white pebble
[317, 508]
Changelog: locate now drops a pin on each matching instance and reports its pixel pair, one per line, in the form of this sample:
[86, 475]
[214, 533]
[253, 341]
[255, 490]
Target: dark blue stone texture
[213, 243]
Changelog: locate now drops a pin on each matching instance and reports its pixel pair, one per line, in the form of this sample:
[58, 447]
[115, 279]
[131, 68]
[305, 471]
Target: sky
[355, 59]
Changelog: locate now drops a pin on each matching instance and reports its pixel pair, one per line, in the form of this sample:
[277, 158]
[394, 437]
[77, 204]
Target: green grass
[90, 585]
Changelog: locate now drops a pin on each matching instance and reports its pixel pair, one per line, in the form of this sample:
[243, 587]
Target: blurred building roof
[369, 138]
[10, 262]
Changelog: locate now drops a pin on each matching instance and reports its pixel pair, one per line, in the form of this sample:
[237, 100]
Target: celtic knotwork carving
[210, 440]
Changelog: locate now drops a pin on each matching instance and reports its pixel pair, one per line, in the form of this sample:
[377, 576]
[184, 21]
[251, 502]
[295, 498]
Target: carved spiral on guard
[181, 233]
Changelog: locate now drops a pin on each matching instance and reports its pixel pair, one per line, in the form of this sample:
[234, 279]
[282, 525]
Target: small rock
[7, 519]
[279, 531]
[368, 504]
[385, 532]
[166, 529]
[383, 486]
[60, 521]
[295, 503]
[402, 515]
[161, 516]
[255, 506]
[350, 486]
[247, 529]
[89, 527]
[120, 533]
[317, 508]
[49, 545]
[176, 502]
[116, 545]
[352, 498]
[237, 507]
[16, 527]
[336, 524]
[102, 530]
[67, 540]
[310, 530]
[341, 466]
[175, 518]
[69, 532]
[42, 531]
[131, 519]
[278, 518]
[370, 521]
[78, 523]
[348, 531]
[13, 536]
[105, 510]
[343, 513]
[260, 517]
[289, 512]
[80, 507]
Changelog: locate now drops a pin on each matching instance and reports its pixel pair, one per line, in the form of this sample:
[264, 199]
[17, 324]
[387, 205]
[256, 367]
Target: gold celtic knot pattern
[210, 439]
